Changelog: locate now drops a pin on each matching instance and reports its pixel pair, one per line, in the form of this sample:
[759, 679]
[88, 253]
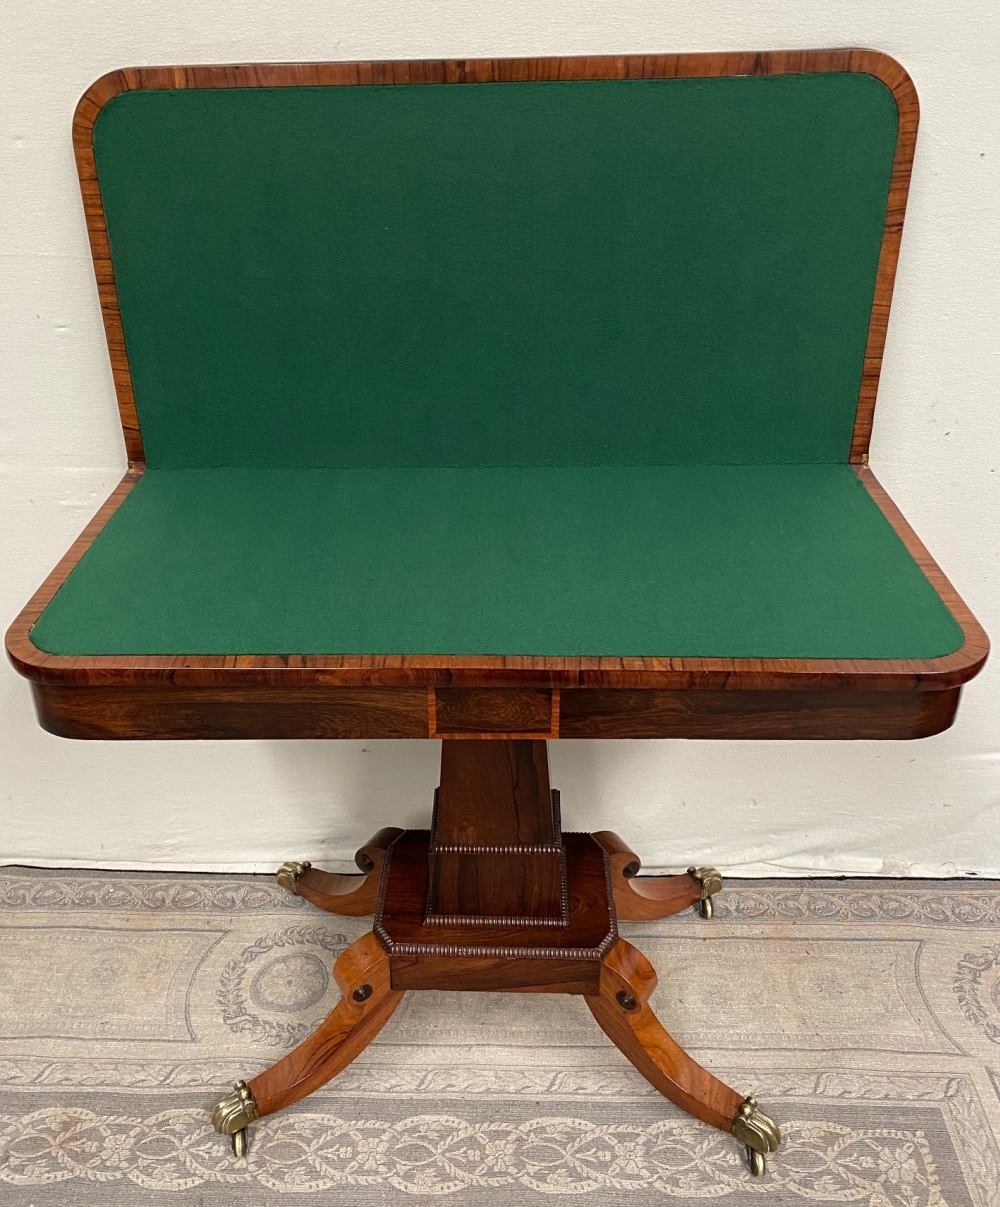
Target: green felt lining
[599, 272]
[557, 369]
[734, 561]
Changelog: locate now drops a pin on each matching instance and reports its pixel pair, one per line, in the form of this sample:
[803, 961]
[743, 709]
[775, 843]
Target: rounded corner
[22, 653]
[98, 95]
[892, 75]
[973, 653]
[955, 670]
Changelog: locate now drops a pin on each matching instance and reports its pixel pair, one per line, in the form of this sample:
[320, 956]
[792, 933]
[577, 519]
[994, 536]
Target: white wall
[928, 808]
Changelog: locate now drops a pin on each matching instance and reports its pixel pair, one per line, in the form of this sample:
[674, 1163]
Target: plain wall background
[927, 808]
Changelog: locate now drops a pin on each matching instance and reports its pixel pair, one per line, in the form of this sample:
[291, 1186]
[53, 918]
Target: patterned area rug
[865, 1015]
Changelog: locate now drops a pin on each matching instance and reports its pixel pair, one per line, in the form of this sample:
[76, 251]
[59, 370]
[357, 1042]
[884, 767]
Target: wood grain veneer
[348, 895]
[346, 1032]
[646, 898]
[500, 954]
[655, 1053]
[496, 844]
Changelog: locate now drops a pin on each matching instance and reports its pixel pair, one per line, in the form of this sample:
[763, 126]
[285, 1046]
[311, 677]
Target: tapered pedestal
[495, 847]
[495, 897]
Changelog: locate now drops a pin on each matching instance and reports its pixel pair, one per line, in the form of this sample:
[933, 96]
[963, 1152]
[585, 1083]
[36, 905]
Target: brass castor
[758, 1132]
[289, 874]
[233, 1115]
[711, 883]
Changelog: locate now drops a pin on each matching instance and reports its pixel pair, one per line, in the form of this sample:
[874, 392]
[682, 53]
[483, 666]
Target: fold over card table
[493, 402]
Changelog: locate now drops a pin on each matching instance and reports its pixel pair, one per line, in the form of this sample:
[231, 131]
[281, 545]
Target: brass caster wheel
[233, 1115]
[758, 1133]
[289, 874]
[711, 883]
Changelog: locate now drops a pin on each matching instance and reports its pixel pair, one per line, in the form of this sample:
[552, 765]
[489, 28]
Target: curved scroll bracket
[353, 896]
[650, 897]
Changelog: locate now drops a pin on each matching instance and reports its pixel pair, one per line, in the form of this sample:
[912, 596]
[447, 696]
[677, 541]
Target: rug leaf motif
[441, 1155]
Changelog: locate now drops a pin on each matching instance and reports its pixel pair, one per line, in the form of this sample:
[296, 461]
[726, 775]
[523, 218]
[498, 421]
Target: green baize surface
[728, 561]
[538, 368]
